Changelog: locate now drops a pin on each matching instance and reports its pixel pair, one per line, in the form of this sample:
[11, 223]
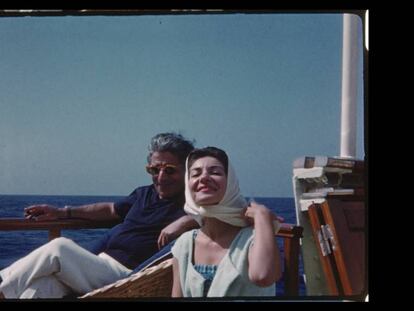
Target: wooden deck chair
[155, 279]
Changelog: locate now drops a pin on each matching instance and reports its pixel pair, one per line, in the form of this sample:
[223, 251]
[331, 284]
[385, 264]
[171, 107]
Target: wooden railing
[53, 226]
[290, 234]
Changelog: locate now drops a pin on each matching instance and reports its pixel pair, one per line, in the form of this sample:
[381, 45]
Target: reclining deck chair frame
[155, 278]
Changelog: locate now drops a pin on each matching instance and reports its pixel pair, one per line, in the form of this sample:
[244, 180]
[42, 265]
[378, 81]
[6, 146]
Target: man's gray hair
[171, 142]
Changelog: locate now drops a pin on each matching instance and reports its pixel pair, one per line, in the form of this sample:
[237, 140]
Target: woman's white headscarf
[228, 210]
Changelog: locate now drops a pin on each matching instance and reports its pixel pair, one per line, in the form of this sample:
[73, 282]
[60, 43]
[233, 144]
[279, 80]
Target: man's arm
[175, 229]
[95, 211]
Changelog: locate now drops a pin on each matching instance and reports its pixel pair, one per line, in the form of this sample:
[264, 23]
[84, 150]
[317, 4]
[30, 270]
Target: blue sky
[81, 96]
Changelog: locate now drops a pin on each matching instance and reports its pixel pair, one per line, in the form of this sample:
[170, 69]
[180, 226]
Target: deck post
[54, 233]
[291, 262]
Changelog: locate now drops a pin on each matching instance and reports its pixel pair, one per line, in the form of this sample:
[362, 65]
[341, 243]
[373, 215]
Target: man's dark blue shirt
[144, 215]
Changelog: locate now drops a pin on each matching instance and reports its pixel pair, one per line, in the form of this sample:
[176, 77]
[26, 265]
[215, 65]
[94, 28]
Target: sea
[16, 244]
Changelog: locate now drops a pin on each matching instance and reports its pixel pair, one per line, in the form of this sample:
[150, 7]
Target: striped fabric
[207, 271]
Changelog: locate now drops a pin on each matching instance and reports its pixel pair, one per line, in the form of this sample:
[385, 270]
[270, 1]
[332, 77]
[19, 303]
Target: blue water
[16, 244]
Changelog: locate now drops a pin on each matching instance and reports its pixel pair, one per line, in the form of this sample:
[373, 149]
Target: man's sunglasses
[168, 169]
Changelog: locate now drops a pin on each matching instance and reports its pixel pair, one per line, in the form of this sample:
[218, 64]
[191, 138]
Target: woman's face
[207, 181]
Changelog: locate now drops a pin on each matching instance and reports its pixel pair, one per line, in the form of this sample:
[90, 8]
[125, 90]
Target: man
[152, 216]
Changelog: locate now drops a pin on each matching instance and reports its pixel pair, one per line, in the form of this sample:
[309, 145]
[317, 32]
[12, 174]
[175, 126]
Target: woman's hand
[258, 210]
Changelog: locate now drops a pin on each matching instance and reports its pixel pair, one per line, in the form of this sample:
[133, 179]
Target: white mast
[349, 86]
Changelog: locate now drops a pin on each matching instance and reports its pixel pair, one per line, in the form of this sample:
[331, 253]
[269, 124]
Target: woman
[234, 253]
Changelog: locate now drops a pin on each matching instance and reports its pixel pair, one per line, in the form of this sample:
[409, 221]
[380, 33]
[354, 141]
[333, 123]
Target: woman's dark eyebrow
[215, 167]
[209, 168]
[195, 169]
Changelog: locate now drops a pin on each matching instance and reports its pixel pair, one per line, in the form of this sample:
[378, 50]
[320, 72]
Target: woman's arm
[176, 288]
[264, 256]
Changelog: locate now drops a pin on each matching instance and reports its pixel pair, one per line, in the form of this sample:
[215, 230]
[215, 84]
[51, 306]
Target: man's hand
[168, 234]
[42, 212]
[175, 229]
